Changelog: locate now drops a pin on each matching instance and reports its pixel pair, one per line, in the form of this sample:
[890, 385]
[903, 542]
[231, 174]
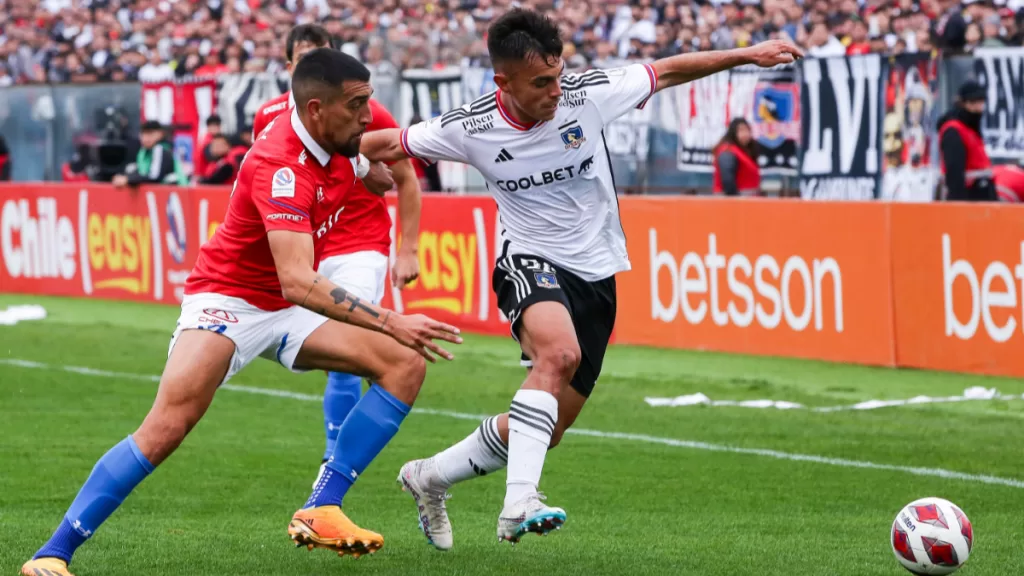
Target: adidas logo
[503, 157]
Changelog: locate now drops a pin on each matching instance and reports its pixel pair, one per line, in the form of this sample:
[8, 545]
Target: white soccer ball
[932, 536]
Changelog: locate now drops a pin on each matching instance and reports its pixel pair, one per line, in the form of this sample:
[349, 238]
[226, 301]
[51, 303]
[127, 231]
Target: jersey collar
[322, 156]
[508, 117]
[291, 100]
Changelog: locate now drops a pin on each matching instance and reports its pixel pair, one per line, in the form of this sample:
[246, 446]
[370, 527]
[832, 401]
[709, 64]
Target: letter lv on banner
[758, 277]
[841, 102]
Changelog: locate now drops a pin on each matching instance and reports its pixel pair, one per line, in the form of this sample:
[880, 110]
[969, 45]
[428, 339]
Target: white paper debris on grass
[21, 313]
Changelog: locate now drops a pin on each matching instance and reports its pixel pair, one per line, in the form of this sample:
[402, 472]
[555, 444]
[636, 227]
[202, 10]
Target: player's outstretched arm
[683, 68]
[293, 256]
[383, 145]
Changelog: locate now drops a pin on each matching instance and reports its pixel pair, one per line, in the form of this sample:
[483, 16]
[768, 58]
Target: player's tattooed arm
[344, 299]
[301, 285]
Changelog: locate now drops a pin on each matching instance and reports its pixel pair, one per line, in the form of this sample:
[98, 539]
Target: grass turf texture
[221, 504]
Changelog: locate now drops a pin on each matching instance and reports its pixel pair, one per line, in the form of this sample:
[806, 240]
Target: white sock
[531, 421]
[475, 455]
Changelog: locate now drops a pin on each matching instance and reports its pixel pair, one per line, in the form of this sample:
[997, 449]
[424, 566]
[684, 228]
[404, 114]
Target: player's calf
[398, 373]
[196, 366]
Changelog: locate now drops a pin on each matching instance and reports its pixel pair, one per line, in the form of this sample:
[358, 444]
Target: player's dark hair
[522, 34]
[321, 73]
[310, 33]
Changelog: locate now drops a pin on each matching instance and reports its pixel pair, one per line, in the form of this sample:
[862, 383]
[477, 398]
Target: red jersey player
[254, 292]
[357, 249]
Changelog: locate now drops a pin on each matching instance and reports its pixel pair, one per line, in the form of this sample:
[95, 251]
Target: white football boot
[529, 515]
[421, 479]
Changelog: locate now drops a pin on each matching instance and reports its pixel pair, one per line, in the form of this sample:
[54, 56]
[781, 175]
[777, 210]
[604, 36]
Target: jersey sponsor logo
[283, 184]
[275, 108]
[546, 279]
[331, 221]
[478, 124]
[285, 216]
[544, 178]
[572, 135]
[573, 100]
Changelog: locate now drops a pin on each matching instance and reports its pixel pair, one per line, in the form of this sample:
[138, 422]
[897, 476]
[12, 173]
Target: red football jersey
[287, 182]
[269, 110]
[365, 224]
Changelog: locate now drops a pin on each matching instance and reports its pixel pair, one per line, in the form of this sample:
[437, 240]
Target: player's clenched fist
[419, 332]
[773, 53]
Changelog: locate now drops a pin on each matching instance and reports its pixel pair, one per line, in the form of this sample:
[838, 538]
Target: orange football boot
[328, 527]
[46, 567]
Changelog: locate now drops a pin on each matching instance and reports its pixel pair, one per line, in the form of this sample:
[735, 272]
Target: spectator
[225, 161]
[155, 163]
[858, 38]
[736, 170]
[821, 43]
[202, 154]
[965, 163]
[155, 70]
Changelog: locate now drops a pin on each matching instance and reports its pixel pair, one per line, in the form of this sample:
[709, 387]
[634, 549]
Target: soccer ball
[932, 536]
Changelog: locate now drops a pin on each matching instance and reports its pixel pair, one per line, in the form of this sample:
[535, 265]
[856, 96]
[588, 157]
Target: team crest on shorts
[573, 137]
[546, 279]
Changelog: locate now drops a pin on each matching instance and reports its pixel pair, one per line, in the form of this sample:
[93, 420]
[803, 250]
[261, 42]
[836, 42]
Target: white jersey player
[539, 142]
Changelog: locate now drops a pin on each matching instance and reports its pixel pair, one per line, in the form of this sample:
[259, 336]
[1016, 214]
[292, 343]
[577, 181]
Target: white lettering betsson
[695, 276]
[983, 297]
[36, 247]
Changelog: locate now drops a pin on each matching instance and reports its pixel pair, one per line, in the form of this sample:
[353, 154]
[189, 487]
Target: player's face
[343, 120]
[534, 86]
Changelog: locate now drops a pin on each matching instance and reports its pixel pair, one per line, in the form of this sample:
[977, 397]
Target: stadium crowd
[116, 40]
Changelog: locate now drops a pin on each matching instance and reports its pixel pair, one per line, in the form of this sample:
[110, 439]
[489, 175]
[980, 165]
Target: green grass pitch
[221, 504]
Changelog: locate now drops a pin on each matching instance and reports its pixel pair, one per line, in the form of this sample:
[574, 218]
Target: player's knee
[560, 361]
[405, 377]
[160, 435]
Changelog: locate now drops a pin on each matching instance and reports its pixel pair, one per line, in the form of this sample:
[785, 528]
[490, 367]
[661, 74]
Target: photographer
[155, 163]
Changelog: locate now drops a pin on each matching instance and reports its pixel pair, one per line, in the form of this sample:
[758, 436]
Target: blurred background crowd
[150, 40]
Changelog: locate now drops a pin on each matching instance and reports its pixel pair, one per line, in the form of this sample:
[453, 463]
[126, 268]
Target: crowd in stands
[151, 40]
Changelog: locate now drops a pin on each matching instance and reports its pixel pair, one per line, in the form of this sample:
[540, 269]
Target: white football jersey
[552, 181]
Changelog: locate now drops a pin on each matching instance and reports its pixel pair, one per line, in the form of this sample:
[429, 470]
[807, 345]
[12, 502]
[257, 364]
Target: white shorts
[364, 274]
[276, 336]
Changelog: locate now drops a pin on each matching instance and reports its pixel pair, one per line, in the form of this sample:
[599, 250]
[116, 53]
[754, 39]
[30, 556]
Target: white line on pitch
[693, 445]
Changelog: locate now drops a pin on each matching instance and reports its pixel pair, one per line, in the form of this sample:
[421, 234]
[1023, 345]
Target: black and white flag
[841, 103]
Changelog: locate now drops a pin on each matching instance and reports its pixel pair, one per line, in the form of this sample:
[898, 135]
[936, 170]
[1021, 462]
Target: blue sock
[366, 431]
[116, 474]
[341, 395]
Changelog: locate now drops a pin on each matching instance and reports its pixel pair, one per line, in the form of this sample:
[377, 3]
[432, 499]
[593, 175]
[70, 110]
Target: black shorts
[520, 281]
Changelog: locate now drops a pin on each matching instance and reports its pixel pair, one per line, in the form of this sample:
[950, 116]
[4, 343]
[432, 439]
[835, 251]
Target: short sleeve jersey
[553, 180]
[286, 182]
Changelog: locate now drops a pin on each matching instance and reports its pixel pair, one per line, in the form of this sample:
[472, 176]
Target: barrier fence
[937, 286]
[855, 127]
